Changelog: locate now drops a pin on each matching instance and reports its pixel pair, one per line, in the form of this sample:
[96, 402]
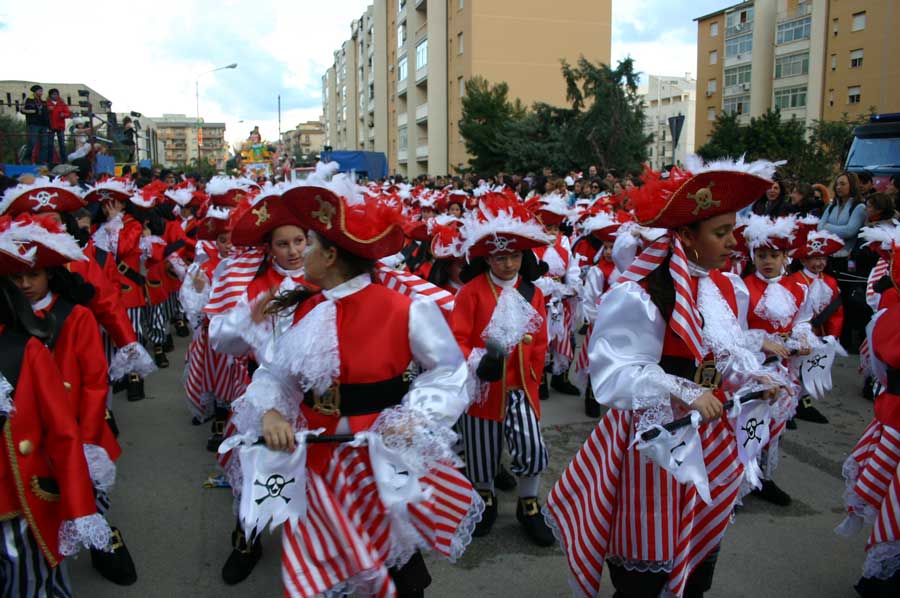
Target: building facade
[179, 135]
[812, 59]
[305, 141]
[666, 98]
[14, 93]
[414, 56]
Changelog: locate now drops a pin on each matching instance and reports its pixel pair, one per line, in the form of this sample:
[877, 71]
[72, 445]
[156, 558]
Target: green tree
[12, 138]
[537, 140]
[486, 114]
[831, 140]
[726, 139]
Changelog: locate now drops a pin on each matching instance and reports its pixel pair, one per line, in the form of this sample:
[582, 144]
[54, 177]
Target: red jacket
[78, 352]
[472, 310]
[128, 262]
[757, 288]
[59, 112]
[835, 321]
[42, 443]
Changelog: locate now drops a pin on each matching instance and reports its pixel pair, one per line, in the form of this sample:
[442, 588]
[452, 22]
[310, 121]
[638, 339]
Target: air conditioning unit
[709, 93]
[745, 86]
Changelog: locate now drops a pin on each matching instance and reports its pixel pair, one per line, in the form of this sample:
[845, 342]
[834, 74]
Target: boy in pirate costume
[59, 297]
[668, 340]
[323, 373]
[46, 500]
[499, 322]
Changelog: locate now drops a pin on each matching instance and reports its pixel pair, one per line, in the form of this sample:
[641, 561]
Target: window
[462, 86]
[831, 97]
[859, 21]
[403, 139]
[737, 75]
[462, 4]
[738, 21]
[854, 96]
[736, 104]
[714, 57]
[459, 42]
[856, 58]
[401, 5]
[422, 54]
[834, 26]
[402, 69]
[790, 97]
[401, 35]
[741, 45]
[711, 86]
[792, 65]
[833, 61]
[714, 29]
[793, 31]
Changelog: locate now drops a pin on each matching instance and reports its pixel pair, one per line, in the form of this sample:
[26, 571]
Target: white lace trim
[6, 394]
[856, 506]
[651, 401]
[131, 359]
[476, 389]
[512, 319]
[777, 305]
[106, 237]
[310, 349]
[90, 531]
[100, 467]
[462, 537]
[146, 244]
[640, 565]
[192, 300]
[882, 560]
[420, 441]
[819, 295]
[263, 394]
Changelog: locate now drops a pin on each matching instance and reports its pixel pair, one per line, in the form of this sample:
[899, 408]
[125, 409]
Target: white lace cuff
[419, 439]
[264, 393]
[147, 243]
[651, 402]
[131, 359]
[90, 531]
[6, 393]
[100, 466]
[476, 389]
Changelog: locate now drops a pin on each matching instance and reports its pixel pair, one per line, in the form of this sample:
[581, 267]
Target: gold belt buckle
[122, 267]
[707, 375]
[329, 402]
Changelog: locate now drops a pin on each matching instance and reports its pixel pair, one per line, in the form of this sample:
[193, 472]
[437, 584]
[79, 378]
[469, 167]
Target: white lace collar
[697, 271]
[288, 273]
[506, 284]
[768, 280]
[43, 303]
[810, 274]
[348, 287]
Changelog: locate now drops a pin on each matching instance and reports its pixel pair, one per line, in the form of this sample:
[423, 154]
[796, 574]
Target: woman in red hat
[46, 498]
[669, 339]
[872, 471]
[499, 322]
[60, 298]
[446, 247]
[323, 373]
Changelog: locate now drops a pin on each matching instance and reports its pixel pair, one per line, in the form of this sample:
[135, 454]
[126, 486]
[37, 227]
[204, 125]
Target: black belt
[893, 381]
[359, 399]
[126, 271]
[705, 374]
[173, 247]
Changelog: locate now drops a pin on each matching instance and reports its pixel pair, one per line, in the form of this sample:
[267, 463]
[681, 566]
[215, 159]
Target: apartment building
[179, 134]
[427, 49]
[809, 58]
[669, 107]
[306, 139]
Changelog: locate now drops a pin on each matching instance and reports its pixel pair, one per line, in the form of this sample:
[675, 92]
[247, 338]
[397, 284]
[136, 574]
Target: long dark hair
[16, 313]
[440, 272]
[70, 285]
[531, 268]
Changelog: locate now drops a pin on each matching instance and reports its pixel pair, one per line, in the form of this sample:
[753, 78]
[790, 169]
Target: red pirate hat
[457, 197]
[551, 209]
[227, 192]
[603, 223]
[885, 241]
[15, 255]
[501, 225]
[45, 239]
[446, 240]
[366, 226]
[700, 193]
[149, 195]
[40, 197]
[185, 195]
[816, 243]
[214, 222]
[777, 233]
[111, 188]
[417, 230]
[256, 218]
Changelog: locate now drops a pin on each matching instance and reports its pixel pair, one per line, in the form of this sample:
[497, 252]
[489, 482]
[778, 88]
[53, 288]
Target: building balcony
[422, 75]
[401, 88]
[422, 152]
[739, 29]
[371, 78]
[402, 119]
[801, 10]
[737, 59]
[402, 155]
[422, 113]
[422, 5]
[371, 135]
[420, 33]
[736, 90]
[371, 107]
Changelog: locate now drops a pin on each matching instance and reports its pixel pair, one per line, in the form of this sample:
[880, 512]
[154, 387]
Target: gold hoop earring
[696, 256]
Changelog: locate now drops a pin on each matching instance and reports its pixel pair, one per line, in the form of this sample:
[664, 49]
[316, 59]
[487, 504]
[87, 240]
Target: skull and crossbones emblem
[500, 243]
[274, 486]
[262, 214]
[675, 448]
[704, 199]
[325, 213]
[44, 199]
[750, 429]
[815, 245]
[816, 362]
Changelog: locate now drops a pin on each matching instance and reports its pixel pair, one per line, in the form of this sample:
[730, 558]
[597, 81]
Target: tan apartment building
[809, 58]
[178, 132]
[432, 47]
[664, 99]
[329, 106]
[306, 139]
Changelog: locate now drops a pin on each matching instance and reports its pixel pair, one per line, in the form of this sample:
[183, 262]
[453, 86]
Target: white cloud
[668, 55]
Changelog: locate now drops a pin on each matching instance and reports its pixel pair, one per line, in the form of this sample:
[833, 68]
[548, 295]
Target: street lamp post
[233, 65]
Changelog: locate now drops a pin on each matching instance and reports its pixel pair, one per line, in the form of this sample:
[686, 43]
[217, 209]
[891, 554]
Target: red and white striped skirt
[872, 474]
[345, 544]
[210, 375]
[611, 502]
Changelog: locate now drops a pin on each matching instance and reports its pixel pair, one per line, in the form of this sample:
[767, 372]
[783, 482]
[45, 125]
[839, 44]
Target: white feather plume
[885, 235]
[760, 229]
[761, 168]
[220, 185]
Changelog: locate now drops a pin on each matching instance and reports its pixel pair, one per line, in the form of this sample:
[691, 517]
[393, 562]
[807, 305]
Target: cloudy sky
[147, 56]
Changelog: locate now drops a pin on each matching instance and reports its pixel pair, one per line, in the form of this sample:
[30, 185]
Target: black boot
[243, 558]
[119, 385]
[773, 494]
[868, 389]
[135, 388]
[504, 480]
[807, 412]
[159, 356]
[560, 383]
[591, 406]
[483, 527]
[528, 512]
[791, 424]
[111, 422]
[543, 390]
[217, 429]
[181, 328]
[169, 345]
[115, 565]
[870, 587]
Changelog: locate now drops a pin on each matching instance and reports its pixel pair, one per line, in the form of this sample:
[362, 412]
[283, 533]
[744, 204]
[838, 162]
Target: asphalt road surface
[178, 531]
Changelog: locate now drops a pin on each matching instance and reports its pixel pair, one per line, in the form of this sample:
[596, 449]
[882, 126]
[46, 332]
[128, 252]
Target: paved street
[178, 532]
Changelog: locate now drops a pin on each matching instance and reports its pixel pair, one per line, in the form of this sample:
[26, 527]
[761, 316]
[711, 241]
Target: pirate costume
[623, 504]
[357, 536]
